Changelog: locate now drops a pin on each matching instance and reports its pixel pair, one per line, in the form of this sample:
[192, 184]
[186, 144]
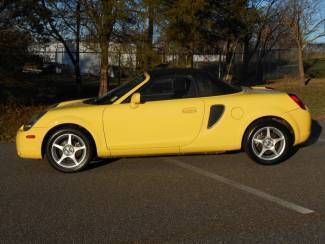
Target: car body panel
[156, 124]
[300, 121]
[167, 126]
[76, 113]
[30, 148]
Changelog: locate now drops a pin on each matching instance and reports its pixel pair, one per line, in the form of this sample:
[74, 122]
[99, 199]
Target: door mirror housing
[135, 99]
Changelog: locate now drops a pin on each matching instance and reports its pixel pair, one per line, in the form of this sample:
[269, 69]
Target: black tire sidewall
[288, 139]
[89, 150]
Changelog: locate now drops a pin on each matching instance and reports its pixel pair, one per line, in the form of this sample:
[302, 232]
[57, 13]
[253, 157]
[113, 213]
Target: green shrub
[315, 68]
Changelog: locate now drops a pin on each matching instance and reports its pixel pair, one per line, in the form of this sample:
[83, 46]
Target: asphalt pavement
[224, 198]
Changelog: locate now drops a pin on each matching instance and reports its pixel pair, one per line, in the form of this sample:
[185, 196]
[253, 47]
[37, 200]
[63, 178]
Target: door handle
[189, 110]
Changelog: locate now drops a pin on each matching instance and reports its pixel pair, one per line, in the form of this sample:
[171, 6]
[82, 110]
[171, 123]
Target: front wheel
[69, 150]
[268, 143]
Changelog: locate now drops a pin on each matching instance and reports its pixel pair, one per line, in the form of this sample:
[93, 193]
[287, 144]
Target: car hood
[72, 104]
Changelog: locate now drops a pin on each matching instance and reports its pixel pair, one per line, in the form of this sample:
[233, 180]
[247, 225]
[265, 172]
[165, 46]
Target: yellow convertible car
[170, 111]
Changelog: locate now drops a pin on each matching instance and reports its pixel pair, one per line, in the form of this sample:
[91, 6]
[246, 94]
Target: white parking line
[242, 187]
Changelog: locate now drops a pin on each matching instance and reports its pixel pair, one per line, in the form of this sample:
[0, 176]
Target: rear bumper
[30, 147]
[300, 121]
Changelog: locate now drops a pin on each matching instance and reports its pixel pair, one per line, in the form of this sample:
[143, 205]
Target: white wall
[89, 57]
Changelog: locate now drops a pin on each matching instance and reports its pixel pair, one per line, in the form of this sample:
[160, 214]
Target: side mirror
[135, 100]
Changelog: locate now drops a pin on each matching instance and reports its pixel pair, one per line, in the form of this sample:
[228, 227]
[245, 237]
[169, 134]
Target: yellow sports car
[170, 111]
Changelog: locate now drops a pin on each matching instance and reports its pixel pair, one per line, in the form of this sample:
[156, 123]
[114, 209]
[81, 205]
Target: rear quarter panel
[241, 109]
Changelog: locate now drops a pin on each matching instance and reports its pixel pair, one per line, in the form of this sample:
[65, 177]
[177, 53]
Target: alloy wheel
[68, 150]
[268, 143]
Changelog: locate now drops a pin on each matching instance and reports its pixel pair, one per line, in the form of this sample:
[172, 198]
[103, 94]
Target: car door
[222, 126]
[165, 118]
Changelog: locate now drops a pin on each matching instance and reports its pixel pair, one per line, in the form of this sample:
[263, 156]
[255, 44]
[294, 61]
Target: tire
[69, 150]
[268, 142]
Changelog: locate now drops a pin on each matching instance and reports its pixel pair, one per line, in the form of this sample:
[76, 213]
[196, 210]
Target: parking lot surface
[206, 198]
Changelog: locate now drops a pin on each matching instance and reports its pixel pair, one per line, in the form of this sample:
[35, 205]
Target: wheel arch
[68, 125]
[263, 120]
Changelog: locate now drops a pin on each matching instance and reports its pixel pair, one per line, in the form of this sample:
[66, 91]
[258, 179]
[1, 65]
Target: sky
[322, 13]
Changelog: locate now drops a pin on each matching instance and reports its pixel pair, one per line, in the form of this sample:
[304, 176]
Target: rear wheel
[268, 143]
[69, 150]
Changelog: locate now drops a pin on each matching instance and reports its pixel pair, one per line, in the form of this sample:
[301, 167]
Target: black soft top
[174, 71]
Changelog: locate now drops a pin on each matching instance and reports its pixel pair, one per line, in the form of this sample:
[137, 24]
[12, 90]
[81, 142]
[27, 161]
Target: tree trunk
[119, 68]
[149, 40]
[259, 77]
[259, 71]
[104, 74]
[192, 60]
[60, 38]
[138, 59]
[301, 65]
[245, 66]
[77, 51]
[77, 76]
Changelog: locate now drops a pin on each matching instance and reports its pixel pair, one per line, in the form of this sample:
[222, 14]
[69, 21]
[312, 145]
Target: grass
[313, 94]
[315, 68]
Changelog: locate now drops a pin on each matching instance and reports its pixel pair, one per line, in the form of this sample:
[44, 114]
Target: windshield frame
[123, 91]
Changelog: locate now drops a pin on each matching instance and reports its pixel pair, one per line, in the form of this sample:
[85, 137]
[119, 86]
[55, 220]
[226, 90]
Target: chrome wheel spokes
[268, 143]
[68, 150]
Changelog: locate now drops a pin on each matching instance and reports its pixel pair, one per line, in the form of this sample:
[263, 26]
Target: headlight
[33, 120]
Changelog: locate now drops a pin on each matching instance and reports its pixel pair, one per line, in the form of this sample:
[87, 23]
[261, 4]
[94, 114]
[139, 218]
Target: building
[54, 52]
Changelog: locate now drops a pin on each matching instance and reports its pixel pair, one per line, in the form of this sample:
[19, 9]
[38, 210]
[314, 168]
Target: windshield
[119, 91]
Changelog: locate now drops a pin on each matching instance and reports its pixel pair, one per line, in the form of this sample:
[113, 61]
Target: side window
[205, 85]
[211, 86]
[166, 88]
[184, 87]
[158, 89]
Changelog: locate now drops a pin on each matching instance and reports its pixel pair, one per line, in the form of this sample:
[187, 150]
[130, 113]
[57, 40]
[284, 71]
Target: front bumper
[29, 143]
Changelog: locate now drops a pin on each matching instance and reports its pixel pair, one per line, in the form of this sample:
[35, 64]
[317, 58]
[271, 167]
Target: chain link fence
[277, 63]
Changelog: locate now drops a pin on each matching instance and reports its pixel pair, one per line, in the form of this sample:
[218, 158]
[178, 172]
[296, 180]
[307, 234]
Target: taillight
[297, 100]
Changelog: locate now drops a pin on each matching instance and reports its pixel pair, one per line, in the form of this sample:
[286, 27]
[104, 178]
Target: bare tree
[271, 32]
[13, 41]
[54, 19]
[104, 21]
[305, 25]
[143, 31]
[150, 6]
[262, 24]
[67, 26]
[184, 25]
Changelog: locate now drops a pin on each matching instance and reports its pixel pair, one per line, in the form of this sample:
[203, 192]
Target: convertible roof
[173, 71]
